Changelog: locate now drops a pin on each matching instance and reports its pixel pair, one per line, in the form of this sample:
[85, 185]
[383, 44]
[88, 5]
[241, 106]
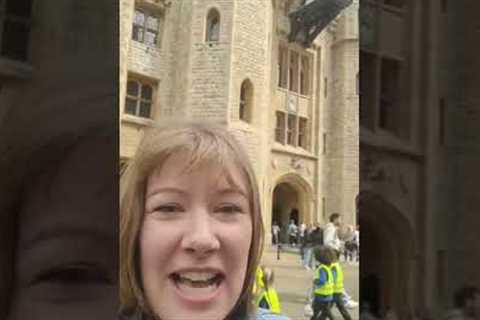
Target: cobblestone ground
[292, 281]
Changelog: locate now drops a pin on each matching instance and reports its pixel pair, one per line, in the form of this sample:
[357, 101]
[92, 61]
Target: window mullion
[139, 99]
[288, 69]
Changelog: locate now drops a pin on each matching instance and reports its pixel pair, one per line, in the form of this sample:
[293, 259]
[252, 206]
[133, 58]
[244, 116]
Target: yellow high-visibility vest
[338, 281]
[258, 284]
[271, 297]
[327, 288]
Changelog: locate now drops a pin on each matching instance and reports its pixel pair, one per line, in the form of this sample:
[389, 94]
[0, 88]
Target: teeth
[197, 276]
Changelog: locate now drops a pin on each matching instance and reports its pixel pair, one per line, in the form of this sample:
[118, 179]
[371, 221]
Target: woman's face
[194, 241]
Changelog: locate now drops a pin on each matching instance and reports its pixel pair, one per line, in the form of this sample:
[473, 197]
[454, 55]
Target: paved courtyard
[292, 281]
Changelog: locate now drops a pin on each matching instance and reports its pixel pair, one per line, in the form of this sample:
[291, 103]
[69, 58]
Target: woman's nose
[200, 238]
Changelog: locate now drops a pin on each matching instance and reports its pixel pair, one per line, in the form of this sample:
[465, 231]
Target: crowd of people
[308, 236]
[321, 250]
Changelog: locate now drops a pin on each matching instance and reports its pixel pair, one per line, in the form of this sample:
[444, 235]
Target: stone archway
[291, 200]
[387, 255]
[284, 203]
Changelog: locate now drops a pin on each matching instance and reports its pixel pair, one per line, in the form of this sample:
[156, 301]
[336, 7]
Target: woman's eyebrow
[166, 190]
[232, 190]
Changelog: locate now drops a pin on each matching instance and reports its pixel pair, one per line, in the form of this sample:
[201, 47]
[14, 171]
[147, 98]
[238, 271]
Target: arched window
[213, 26]
[245, 106]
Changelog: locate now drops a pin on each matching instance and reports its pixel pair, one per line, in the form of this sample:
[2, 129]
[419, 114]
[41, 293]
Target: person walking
[307, 248]
[330, 232]
[315, 238]
[292, 232]
[301, 239]
[332, 241]
[350, 245]
[275, 233]
[322, 285]
[338, 286]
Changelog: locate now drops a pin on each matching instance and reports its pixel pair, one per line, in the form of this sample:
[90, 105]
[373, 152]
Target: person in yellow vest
[258, 284]
[338, 287]
[322, 285]
[268, 297]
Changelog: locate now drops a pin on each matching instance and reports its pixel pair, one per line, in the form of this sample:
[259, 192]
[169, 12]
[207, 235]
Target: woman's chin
[189, 303]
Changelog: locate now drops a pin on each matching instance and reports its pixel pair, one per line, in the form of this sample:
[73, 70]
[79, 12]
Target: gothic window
[282, 65]
[280, 127]
[302, 133]
[146, 27]
[246, 96]
[381, 71]
[139, 98]
[291, 129]
[293, 72]
[367, 89]
[304, 81]
[213, 26]
[389, 94]
[15, 24]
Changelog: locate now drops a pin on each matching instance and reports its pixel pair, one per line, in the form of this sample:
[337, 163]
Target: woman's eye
[71, 274]
[168, 208]
[229, 209]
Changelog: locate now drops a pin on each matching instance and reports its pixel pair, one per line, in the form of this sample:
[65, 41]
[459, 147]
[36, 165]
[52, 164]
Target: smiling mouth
[197, 280]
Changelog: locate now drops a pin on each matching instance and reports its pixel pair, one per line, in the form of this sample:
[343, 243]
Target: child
[338, 288]
[268, 297]
[322, 285]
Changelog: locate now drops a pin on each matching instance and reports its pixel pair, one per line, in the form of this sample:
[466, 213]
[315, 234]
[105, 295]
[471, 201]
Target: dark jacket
[316, 237]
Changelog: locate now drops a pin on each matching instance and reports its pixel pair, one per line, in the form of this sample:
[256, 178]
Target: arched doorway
[284, 208]
[291, 200]
[386, 256]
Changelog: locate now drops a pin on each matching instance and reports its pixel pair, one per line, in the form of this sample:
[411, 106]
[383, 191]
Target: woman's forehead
[181, 165]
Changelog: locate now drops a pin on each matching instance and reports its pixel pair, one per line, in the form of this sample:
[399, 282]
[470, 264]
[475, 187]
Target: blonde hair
[202, 142]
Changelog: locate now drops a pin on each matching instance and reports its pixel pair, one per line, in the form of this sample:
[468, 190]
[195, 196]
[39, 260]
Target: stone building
[295, 109]
[418, 148]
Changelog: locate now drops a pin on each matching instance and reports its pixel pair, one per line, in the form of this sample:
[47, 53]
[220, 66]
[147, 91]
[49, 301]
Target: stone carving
[373, 170]
[297, 163]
